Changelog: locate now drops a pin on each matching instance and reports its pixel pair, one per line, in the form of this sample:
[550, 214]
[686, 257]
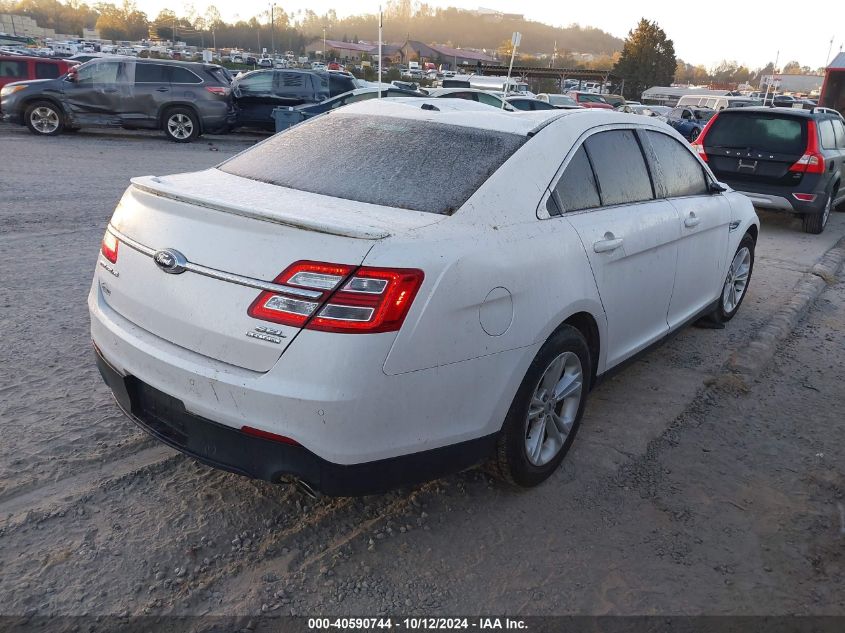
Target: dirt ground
[688, 491]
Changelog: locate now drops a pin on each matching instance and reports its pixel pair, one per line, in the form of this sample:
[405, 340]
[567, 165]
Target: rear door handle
[608, 244]
[692, 220]
[162, 89]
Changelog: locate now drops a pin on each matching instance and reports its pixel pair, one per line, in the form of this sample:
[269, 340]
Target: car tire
[180, 125]
[528, 452]
[738, 278]
[841, 206]
[694, 134]
[815, 222]
[44, 118]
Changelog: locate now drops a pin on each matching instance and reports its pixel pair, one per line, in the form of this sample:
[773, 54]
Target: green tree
[648, 59]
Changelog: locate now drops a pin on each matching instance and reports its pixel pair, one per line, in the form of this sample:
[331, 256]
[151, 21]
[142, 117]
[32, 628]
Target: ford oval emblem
[170, 261]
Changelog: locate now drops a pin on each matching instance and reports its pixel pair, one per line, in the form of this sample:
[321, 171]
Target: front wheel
[546, 412]
[181, 125]
[44, 119]
[736, 283]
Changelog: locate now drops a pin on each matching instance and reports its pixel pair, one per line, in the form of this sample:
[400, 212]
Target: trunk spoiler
[326, 222]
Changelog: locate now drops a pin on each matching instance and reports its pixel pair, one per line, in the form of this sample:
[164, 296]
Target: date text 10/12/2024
[419, 623]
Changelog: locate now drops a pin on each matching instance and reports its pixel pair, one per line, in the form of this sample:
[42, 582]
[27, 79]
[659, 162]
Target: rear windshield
[410, 164]
[758, 130]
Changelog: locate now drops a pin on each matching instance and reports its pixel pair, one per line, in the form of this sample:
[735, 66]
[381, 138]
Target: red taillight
[698, 145]
[345, 299]
[804, 197]
[266, 435]
[812, 162]
[109, 247]
[218, 90]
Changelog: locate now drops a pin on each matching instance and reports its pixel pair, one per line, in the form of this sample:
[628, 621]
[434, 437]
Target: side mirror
[716, 187]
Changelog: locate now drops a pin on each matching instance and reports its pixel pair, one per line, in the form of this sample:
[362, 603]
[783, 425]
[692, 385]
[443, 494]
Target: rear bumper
[780, 198]
[227, 448]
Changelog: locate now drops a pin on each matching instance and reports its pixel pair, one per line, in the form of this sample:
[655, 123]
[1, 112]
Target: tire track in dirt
[65, 491]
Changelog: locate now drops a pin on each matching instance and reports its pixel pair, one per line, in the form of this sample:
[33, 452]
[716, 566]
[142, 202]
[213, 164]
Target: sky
[747, 32]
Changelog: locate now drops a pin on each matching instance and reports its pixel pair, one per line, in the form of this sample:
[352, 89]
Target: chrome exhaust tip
[302, 486]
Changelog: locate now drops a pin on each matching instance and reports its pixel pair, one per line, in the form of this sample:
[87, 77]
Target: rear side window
[220, 74]
[576, 190]
[257, 84]
[179, 75]
[673, 166]
[43, 70]
[828, 136]
[405, 160]
[758, 130]
[839, 131]
[293, 84]
[150, 74]
[13, 69]
[619, 166]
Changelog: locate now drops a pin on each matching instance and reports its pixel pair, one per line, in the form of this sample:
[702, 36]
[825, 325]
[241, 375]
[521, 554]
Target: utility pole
[829, 48]
[769, 83]
[272, 34]
[515, 40]
[324, 43]
[380, 26]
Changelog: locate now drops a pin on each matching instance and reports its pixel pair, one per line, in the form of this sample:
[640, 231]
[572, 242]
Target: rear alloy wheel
[44, 119]
[736, 283]
[181, 125]
[546, 411]
[694, 134]
[815, 222]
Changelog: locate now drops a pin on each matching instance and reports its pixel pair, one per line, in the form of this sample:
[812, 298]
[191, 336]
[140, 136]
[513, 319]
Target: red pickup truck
[833, 89]
[22, 68]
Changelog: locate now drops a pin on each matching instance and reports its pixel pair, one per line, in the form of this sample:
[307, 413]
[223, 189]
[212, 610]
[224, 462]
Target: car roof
[465, 113]
[35, 58]
[801, 112]
[446, 91]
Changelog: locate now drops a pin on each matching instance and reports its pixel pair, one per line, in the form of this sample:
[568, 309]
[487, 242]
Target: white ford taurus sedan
[323, 309]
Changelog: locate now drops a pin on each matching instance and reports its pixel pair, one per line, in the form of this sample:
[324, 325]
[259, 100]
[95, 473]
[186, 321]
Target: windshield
[591, 98]
[560, 100]
[380, 160]
[703, 115]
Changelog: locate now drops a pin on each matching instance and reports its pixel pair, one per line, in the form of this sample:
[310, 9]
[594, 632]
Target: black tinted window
[179, 75]
[44, 70]
[576, 188]
[150, 74]
[827, 135]
[779, 134]
[404, 157]
[674, 167]
[338, 84]
[291, 84]
[839, 131]
[257, 84]
[14, 69]
[619, 166]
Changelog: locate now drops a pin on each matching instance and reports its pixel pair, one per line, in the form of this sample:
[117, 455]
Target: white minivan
[717, 103]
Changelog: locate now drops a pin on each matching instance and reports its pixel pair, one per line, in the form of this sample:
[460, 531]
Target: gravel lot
[690, 490]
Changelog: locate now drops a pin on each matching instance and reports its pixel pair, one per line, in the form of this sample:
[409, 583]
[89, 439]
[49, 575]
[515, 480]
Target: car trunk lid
[236, 236]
